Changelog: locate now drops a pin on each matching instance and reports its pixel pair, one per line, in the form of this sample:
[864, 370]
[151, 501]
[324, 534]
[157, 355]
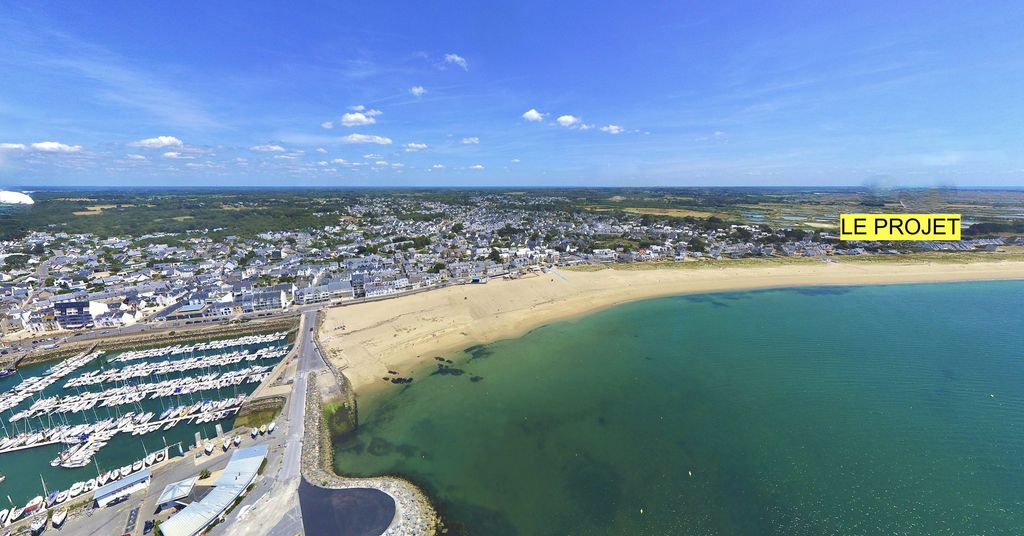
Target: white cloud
[381, 163]
[355, 119]
[533, 115]
[357, 108]
[176, 155]
[413, 147]
[55, 147]
[476, 166]
[516, 160]
[437, 166]
[366, 138]
[136, 157]
[321, 150]
[322, 163]
[267, 148]
[372, 156]
[472, 140]
[338, 161]
[327, 125]
[417, 91]
[612, 129]
[158, 142]
[398, 165]
[568, 120]
[373, 113]
[13, 146]
[457, 60]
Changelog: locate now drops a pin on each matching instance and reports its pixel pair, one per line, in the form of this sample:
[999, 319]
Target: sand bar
[369, 339]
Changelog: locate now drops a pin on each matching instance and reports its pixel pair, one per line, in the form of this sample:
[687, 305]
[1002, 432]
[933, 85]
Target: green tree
[698, 244]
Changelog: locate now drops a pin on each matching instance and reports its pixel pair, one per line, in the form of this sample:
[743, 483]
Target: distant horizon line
[55, 188]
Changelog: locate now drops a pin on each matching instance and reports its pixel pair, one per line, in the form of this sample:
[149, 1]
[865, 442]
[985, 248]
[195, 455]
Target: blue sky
[524, 93]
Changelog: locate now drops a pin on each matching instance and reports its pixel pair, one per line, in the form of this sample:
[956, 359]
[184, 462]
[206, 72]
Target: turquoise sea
[27, 470]
[809, 411]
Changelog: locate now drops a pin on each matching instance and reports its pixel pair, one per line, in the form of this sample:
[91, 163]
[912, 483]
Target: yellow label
[899, 227]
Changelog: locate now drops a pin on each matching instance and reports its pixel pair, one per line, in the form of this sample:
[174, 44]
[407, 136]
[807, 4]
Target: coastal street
[273, 507]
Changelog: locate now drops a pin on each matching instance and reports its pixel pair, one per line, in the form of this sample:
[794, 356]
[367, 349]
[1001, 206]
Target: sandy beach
[366, 340]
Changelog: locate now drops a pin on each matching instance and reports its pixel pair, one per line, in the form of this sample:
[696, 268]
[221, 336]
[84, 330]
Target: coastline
[365, 341]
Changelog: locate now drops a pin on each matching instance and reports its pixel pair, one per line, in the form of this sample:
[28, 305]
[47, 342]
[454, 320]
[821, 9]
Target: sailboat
[59, 516]
[34, 504]
[38, 523]
[14, 515]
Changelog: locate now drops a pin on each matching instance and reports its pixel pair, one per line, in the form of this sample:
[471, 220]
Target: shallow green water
[866, 410]
[27, 470]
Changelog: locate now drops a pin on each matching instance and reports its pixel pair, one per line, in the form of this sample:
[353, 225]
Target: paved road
[273, 507]
[309, 360]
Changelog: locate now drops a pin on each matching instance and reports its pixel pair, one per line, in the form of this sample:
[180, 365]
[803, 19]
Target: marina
[39, 505]
[73, 422]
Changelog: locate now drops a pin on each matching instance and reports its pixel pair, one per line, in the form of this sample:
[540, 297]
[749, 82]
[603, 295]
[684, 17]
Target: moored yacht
[59, 516]
[34, 504]
[38, 523]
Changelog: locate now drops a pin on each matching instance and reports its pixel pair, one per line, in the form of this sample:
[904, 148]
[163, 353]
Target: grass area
[585, 268]
[259, 418]
[671, 212]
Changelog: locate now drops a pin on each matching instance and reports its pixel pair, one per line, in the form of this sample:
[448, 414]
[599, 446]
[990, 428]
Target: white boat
[34, 504]
[3, 516]
[161, 455]
[38, 523]
[102, 479]
[61, 497]
[59, 516]
[91, 485]
[150, 459]
[76, 489]
[115, 473]
[272, 426]
[137, 466]
[14, 515]
[208, 447]
[126, 470]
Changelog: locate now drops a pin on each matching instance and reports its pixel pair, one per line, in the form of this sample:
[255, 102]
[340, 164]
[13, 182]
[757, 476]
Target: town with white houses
[55, 282]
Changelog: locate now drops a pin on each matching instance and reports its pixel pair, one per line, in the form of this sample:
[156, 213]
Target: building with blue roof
[240, 472]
